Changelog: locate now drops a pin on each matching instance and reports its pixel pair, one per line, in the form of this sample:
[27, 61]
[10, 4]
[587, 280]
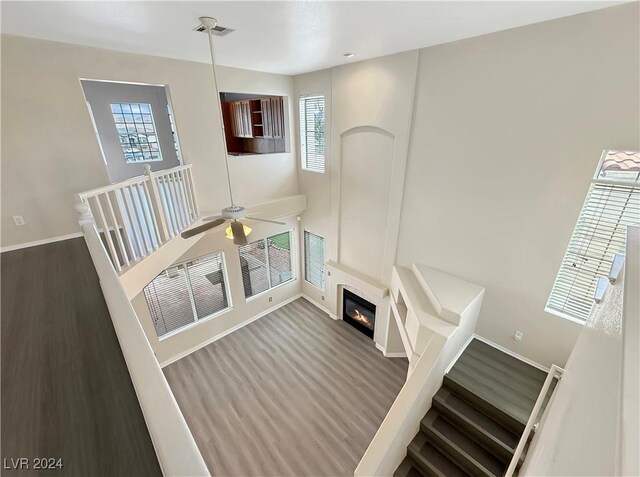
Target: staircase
[477, 416]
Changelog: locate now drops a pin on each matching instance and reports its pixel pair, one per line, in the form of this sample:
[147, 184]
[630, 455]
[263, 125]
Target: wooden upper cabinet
[259, 118]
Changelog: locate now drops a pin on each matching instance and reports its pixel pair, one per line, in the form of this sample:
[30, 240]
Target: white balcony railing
[137, 216]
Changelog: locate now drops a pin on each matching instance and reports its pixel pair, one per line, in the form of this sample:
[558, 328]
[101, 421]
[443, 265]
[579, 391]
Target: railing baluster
[152, 214]
[102, 223]
[138, 207]
[162, 181]
[116, 227]
[185, 198]
[174, 203]
[184, 206]
[149, 221]
[135, 228]
[156, 201]
[192, 193]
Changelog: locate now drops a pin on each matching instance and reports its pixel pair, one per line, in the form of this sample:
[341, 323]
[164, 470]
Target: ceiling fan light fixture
[229, 232]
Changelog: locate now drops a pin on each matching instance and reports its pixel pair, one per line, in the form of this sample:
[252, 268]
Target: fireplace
[358, 312]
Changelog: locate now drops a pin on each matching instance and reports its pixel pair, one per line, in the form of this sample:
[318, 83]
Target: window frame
[160, 157]
[585, 213]
[292, 253]
[302, 131]
[304, 248]
[196, 321]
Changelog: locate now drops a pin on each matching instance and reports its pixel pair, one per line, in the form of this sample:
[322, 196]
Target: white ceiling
[279, 37]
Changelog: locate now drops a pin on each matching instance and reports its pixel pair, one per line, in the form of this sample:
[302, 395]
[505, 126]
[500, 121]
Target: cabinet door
[235, 125]
[241, 119]
[265, 106]
[246, 116]
[277, 117]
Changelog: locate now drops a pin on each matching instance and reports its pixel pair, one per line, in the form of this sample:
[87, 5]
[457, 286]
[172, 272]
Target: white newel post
[156, 203]
[85, 217]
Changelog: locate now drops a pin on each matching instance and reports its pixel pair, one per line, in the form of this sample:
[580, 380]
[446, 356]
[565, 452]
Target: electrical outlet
[518, 335]
[18, 220]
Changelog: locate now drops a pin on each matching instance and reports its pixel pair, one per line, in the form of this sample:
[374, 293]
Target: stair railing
[137, 216]
[532, 423]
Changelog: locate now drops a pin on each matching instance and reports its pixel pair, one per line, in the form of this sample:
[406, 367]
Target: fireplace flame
[356, 315]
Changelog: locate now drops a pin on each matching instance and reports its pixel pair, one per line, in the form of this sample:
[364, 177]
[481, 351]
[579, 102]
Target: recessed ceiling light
[349, 55]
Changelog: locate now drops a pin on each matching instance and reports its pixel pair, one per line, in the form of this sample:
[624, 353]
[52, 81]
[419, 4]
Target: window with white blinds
[312, 133]
[314, 259]
[612, 203]
[266, 263]
[188, 292]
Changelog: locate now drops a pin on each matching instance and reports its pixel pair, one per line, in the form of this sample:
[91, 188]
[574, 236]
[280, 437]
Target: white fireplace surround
[340, 277]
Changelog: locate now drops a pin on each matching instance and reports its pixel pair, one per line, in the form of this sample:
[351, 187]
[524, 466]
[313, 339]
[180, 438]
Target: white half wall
[508, 130]
[49, 148]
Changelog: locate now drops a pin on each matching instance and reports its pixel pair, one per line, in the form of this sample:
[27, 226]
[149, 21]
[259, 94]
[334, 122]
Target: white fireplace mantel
[341, 274]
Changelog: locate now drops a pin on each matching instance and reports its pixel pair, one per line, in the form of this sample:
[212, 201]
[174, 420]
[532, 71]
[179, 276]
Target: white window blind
[266, 263]
[312, 133]
[314, 259]
[188, 292]
[612, 203]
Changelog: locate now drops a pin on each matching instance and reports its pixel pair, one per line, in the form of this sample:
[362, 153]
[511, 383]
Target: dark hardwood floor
[66, 392]
[294, 393]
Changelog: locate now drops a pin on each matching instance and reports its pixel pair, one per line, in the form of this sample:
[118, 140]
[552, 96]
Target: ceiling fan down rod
[209, 23]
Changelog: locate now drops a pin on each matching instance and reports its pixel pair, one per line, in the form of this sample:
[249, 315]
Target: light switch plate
[518, 335]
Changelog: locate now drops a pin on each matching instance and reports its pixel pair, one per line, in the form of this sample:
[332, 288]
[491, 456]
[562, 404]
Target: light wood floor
[293, 393]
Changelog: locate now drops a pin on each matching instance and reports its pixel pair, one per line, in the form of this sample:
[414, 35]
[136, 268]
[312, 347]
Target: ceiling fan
[236, 230]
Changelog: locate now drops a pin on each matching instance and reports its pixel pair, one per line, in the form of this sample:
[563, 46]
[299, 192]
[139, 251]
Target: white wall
[316, 186]
[180, 344]
[508, 130]
[50, 152]
[372, 103]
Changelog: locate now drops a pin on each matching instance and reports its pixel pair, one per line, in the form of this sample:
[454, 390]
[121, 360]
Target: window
[188, 292]
[312, 137]
[137, 132]
[612, 203]
[266, 263]
[314, 259]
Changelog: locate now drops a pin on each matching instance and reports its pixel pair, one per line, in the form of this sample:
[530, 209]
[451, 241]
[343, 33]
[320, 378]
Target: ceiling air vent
[217, 30]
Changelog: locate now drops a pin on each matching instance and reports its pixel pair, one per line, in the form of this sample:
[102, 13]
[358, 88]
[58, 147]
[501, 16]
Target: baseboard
[512, 353]
[318, 305]
[35, 243]
[400, 354]
[230, 330]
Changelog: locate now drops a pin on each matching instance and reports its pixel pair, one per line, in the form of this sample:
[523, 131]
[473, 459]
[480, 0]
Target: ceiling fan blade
[212, 217]
[202, 228]
[237, 229]
[265, 220]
